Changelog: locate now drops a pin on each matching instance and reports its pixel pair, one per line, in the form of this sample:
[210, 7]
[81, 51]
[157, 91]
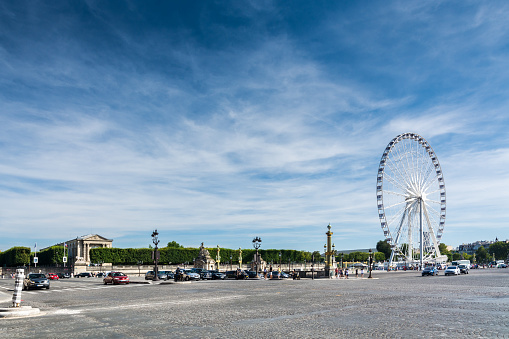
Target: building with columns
[78, 249]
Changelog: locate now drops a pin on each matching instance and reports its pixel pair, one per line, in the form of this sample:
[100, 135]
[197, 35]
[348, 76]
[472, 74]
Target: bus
[461, 262]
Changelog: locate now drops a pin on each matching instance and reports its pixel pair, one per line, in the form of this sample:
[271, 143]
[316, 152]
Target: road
[395, 305]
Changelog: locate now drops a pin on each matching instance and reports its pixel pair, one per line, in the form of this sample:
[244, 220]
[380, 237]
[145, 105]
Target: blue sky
[217, 122]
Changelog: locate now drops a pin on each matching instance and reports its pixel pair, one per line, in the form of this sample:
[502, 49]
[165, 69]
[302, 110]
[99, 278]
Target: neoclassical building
[79, 248]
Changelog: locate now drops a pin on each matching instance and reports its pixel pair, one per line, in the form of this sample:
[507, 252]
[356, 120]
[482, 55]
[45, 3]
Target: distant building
[78, 249]
[473, 247]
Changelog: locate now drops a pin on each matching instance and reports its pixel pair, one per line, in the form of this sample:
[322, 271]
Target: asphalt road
[394, 305]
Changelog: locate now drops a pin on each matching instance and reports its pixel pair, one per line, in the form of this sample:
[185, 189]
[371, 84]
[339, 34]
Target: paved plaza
[392, 305]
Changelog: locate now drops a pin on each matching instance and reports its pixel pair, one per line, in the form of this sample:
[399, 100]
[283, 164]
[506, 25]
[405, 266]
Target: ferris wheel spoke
[433, 201]
[395, 193]
[397, 172]
[395, 183]
[396, 204]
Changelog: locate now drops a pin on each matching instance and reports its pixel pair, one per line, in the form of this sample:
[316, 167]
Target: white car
[454, 270]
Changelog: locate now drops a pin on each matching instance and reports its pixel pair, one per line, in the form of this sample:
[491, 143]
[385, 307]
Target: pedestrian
[362, 272]
[265, 273]
[336, 273]
[346, 273]
[356, 273]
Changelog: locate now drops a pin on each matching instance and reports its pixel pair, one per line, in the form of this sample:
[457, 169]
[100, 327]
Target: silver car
[452, 270]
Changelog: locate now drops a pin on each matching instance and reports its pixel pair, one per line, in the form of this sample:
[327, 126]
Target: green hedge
[51, 256]
[15, 256]
[131, 256]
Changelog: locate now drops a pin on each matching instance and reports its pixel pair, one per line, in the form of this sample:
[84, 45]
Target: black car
[35, 280]
[251, 274]
[463, 269]
[63, 275]
[238, 274]
[83, 275]
[217, 275]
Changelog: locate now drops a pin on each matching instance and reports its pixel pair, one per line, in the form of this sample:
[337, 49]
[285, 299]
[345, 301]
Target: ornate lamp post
[370, 262]
[218, 257]
[231, 264]
[341, 260]
[155, 254]
[257, 242]
[313, 266]
[327, 248]
[280, 269]
[240, 258]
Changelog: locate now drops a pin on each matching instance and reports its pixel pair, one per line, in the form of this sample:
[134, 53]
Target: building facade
[78, 249]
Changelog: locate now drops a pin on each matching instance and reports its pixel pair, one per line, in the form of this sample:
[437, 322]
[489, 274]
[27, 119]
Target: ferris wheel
[410, 192]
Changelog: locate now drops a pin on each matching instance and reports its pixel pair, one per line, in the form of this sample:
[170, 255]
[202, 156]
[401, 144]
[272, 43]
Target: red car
[116, 278]
[52, 276]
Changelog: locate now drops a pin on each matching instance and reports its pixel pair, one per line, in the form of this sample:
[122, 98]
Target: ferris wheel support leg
[390, 260]
[421, 231]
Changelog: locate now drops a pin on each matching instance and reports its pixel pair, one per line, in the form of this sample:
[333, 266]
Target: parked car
[238, 274]
[52, 276]
[35, 280]
[180, 275]
[64, 275]
[430, 270]
[162, 275]
[217, 275]
[83, 275]
[463, 269]
[204, 274]
[192, 275]
[452, 270]
[100, 275]
[251, 274]
[116, 278]
[169, 274]
[275, 275]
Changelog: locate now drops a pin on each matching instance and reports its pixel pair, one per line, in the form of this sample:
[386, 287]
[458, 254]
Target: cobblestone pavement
[393, 305]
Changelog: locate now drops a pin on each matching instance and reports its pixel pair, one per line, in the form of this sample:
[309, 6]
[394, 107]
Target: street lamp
[231, 265]
[240, 258]
[280, 261]
[313, 266]
[218, 257]
[370, 262]
[341, 260]
[155, 254]
[257, 242]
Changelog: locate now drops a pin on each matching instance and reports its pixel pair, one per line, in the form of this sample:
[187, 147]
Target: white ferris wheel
[410, 192]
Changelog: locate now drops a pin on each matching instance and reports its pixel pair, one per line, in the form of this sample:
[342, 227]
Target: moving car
[452, 270]
[430, 270]
[83, 275]
[463, 269]
[63, 275]
[35, 280]
[52, 276]
[116, 278]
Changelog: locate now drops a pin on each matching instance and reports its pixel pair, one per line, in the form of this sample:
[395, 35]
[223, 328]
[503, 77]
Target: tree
[500, 250]
[384, 247]
[481, 255]
[443, 249]
[379, 256]
[174, 244]
[317, 256]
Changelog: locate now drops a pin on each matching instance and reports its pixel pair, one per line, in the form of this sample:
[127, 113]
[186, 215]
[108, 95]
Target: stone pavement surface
[394, 305]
